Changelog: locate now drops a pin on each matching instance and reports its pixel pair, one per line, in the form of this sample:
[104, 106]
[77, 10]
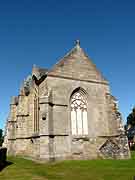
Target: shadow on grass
[4, 165]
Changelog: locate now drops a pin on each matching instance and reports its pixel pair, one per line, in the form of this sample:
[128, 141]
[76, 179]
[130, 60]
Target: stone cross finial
[77, 42]
[34, 66]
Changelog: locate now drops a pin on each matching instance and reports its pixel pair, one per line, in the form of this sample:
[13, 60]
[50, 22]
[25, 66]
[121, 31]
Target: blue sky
[41, 31]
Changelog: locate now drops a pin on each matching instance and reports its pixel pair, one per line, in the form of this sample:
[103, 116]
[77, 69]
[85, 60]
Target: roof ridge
[76, 47]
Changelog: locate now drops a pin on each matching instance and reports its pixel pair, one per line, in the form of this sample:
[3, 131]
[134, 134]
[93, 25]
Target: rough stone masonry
[66, 112]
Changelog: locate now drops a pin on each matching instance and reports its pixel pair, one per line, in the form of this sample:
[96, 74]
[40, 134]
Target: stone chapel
[66, 112]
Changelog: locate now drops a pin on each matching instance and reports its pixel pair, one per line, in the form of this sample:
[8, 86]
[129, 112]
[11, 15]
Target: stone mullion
[38, 114]
[82, 121]
[76, 121]
[34, 116]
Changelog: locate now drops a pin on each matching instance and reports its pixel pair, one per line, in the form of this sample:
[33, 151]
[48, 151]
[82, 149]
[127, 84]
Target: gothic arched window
[36, 114]
[79, 120]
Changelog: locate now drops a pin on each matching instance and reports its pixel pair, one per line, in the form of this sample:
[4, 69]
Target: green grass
[23, 169]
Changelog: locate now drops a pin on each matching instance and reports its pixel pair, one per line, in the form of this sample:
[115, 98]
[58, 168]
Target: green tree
[1, 137]
[131, 118]
[130, 129]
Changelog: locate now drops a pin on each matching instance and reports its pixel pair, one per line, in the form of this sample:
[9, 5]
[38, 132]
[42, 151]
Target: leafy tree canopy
[1, 137]
[131, 118]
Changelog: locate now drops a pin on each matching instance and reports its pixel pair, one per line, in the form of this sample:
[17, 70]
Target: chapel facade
[66, 112]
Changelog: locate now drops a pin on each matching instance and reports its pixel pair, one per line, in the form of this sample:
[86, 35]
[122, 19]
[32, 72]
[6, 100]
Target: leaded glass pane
[79, 114]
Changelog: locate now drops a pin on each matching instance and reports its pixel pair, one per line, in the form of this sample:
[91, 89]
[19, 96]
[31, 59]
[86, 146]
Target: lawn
[22, 169]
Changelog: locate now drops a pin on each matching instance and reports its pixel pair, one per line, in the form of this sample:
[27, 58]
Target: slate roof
[39, 72]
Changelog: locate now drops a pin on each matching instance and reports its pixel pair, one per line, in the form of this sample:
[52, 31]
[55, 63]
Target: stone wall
[39, 122]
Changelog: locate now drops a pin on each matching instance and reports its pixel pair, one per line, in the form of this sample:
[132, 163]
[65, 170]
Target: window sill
[80, 137]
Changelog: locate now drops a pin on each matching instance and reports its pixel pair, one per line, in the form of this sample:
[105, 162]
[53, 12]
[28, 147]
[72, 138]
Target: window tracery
[79, 114]
[36, 113]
